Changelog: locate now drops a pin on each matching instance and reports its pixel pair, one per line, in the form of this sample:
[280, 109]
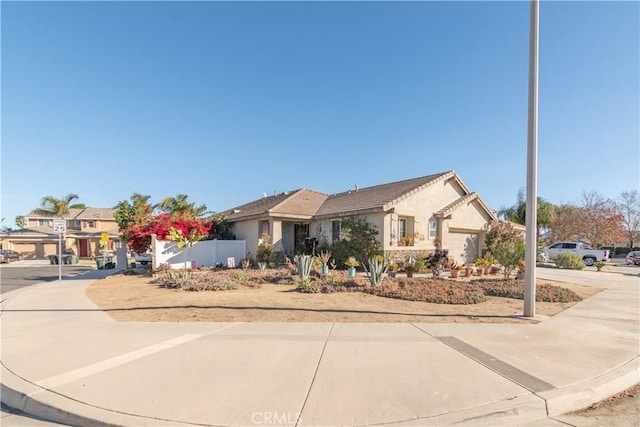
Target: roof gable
[378, 197]
[301, 203]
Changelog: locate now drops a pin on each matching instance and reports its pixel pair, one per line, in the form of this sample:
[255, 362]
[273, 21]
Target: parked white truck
[588, 255]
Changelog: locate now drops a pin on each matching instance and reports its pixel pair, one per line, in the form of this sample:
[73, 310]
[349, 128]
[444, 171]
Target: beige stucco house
[411, 216]
[37, 239]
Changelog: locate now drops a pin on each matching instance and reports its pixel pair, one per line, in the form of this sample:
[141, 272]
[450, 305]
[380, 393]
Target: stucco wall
[247, 231]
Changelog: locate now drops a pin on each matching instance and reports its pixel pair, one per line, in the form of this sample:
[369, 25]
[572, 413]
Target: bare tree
[595, 221]
[628, 205]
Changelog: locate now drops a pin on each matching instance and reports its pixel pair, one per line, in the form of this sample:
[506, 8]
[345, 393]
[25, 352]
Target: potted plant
[265, 251]
[481, 264]
[324, 258]
[351, 263]
[419, 265]
[455, 270]
[520, 273]
[468, 270]
[393, 267]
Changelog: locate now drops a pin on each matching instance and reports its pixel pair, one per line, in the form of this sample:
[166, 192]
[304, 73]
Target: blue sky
[225, 101]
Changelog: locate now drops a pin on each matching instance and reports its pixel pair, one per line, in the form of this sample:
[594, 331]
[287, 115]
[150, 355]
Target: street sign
[104, 237]
[59, 225]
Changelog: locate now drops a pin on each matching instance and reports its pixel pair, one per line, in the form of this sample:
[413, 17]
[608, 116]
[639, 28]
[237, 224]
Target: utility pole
[532, 167]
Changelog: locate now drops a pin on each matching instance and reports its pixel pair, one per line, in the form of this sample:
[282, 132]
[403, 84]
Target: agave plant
[303, 265]
[375, 270]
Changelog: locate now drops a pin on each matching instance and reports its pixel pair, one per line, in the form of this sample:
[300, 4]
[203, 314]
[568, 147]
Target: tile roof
[377, 197]
[301, 203]
[71, 215]
[468, 198]
[87, 213]
[307, 204]
[96, 213]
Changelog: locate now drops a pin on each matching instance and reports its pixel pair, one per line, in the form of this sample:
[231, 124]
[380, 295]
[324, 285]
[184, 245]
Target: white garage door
[463, 247]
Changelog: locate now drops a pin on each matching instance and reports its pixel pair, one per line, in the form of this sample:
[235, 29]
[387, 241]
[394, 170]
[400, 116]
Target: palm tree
[518, 212]
[53, 207]
[179, 205]
[20, 221]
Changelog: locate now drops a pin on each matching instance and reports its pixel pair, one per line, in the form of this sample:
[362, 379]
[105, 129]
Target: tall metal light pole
[532, 168]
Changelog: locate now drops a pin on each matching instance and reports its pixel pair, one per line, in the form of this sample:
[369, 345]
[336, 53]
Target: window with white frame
[402, 228]
[433, 229]
[77, 223]
[336, 228]
[45, 222]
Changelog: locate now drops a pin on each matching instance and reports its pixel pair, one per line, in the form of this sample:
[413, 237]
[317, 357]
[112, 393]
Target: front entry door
[83, 248]
[301, 235]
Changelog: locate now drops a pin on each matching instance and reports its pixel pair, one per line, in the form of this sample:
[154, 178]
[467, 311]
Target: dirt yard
[135, 298]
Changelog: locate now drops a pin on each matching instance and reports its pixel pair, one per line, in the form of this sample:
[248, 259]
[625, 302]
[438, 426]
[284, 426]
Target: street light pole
[532, 167]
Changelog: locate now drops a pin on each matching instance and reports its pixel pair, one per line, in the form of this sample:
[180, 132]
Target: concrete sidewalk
[65, 360]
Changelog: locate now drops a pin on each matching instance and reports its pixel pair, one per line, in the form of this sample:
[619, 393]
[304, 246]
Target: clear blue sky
[225, 101]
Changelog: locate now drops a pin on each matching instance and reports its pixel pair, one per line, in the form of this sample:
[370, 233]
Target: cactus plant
[375, 270]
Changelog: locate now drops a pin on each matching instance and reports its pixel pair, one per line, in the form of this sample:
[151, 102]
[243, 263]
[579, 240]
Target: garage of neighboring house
[37, 250]
[464, 247]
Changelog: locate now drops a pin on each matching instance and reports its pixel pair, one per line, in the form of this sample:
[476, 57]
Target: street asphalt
[67, 361]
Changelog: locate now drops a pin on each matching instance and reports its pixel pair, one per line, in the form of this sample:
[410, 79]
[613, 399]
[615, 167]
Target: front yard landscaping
[277, 295]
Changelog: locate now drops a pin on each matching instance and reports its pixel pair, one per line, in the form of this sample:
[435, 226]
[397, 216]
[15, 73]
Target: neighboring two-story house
[413, 215]
[37, 240]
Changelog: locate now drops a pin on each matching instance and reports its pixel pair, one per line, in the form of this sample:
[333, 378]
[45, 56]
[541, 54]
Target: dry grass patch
[273, 296]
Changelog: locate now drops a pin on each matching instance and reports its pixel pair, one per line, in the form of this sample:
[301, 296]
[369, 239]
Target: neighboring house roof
[300, 203]
[308, 204]
[87, 213]
[71, 215]
[96, 214]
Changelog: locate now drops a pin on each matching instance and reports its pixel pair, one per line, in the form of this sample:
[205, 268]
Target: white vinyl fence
[205, 253]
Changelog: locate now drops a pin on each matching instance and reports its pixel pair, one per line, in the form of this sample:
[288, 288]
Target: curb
[17, 394]
[581, 395]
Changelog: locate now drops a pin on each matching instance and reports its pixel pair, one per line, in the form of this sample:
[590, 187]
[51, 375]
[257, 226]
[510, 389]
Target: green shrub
[599, 265]
[509, 252]
[357, 238]
[569, 260]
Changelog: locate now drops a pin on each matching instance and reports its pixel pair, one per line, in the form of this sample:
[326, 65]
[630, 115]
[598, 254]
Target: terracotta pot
[455, 274]
[409, 273]
[468, 271]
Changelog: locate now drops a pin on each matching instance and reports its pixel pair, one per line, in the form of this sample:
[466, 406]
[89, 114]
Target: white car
[144, 258]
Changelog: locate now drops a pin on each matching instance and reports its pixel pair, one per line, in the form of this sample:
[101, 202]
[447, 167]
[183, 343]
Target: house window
[44, 222]
[402, 228]
[433, 229]
[336, 228]
[91, 224]
[77, 223]
[263, 228]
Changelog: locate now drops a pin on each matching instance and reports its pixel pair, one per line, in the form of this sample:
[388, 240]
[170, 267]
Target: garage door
[463, 247]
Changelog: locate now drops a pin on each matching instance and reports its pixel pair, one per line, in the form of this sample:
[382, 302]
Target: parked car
[633, 257]
[7, 255]
[588, 255]
[143, 259]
